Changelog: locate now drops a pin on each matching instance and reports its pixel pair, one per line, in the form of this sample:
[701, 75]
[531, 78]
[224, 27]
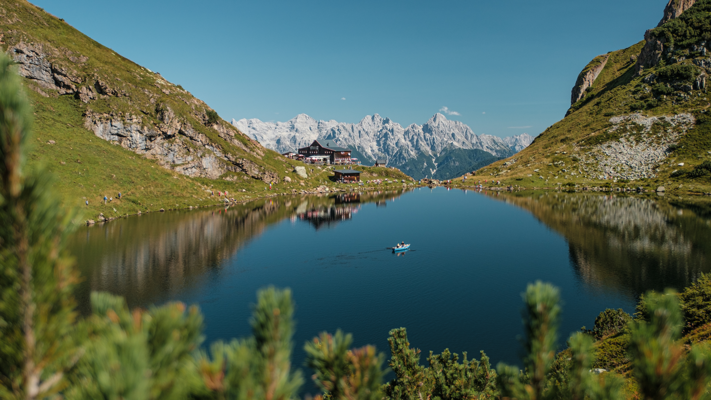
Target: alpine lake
[458, 287]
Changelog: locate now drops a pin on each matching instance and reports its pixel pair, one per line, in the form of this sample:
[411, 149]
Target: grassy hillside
[631, 129]
[81, 90]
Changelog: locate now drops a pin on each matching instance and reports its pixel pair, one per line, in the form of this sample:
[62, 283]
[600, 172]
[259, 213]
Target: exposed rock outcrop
[654, 49]
[674, 9]
[85, 94]
[33, 64]
[192, 154]
[174, 142]
[301, 171]
[651, 53]
[587, 77]
[642, 146]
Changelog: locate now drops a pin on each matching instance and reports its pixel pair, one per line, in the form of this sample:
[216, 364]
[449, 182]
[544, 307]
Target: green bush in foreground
[445, 377]
[36, 279]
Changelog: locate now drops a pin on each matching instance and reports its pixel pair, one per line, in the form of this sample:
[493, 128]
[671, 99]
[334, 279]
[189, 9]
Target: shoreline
[328, 190]
[315, 191]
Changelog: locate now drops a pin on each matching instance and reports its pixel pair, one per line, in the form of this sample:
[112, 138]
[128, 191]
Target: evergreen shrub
[678, 73]
[696, 299]
[212, 117]
[703, 169]
[610, 322]
[661, 89]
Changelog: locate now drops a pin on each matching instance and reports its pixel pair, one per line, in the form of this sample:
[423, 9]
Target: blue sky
[505, 67]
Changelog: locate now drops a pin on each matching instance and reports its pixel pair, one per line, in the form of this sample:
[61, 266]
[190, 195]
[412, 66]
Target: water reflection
[625, 243]
[157, 255]
[328, 215]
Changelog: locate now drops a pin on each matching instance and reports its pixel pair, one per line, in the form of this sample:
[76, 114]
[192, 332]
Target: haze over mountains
[440, 148]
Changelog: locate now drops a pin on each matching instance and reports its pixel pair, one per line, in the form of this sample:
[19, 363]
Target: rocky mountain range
[440, 148]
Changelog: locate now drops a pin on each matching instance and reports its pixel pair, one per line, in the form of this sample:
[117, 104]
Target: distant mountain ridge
[418, 150]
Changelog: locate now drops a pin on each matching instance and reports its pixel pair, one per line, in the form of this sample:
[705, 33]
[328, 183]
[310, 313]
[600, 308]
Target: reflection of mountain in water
[160, 254]
[633, 244]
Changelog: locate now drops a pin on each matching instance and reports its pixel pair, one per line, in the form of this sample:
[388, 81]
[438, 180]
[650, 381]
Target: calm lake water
[459, 287]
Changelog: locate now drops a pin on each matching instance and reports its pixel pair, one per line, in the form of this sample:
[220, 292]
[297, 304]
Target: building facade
[336, 154]
[347, 175]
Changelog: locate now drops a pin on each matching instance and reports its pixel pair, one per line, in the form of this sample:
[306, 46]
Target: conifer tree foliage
[258, 367]
[445, 378]
[696, 303]
[342, 373]
[541, 320]
[143, 354]
[610, 322]
[36, 278]
[663, 367]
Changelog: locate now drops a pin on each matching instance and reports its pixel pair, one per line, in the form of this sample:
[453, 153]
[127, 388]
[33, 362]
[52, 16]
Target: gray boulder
[301, 171]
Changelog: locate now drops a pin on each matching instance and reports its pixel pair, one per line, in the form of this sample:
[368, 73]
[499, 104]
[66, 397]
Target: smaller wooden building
[380, 162]
[347, 175]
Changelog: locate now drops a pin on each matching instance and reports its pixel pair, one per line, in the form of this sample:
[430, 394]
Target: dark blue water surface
[459, 287]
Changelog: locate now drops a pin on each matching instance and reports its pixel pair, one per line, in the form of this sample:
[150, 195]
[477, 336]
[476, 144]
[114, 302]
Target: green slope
[75, 84]
[572, 151]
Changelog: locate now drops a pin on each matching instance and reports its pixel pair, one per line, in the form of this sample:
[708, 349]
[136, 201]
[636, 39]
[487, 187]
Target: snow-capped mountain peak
[377, 137]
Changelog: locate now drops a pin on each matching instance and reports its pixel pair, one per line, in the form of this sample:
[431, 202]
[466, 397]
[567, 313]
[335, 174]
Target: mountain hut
[347, 175]
[335, 154]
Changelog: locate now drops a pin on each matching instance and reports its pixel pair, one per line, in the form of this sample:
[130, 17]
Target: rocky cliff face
[378, 137]
[654, 48]
[129, 105]
[650, 56]
[587, 77]
[674, 9]
[651, 53]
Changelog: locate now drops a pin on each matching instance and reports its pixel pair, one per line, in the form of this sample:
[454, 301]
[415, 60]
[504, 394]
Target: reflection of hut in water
[381, 203]
[327, 216]
[348, 198]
